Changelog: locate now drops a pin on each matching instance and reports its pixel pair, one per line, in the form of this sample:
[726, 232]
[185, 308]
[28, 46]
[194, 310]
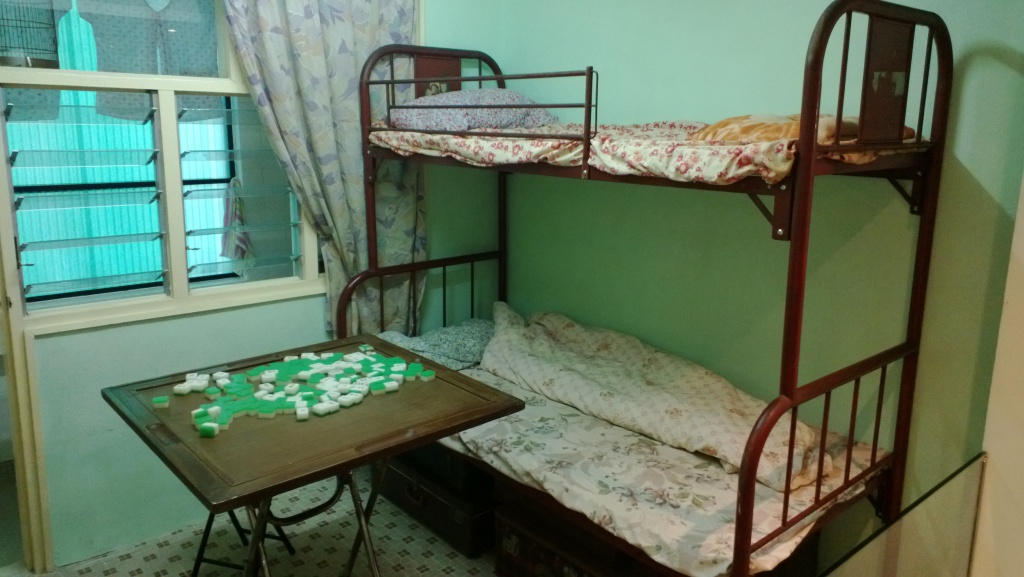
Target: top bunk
[892, 67]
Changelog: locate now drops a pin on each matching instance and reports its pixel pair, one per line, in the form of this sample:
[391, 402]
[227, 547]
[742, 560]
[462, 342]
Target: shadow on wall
[981, 180]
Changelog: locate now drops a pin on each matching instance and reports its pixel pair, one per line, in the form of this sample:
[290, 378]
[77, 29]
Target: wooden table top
[258, 458]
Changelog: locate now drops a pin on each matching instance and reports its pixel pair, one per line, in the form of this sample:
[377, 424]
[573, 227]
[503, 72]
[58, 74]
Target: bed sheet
[678, 507]
[656, 149]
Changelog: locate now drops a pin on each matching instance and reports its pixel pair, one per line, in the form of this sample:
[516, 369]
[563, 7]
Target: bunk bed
[776, 158]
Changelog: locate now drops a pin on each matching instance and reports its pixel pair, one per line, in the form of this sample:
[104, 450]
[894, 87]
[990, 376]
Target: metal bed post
[503, 236]
[926, 232]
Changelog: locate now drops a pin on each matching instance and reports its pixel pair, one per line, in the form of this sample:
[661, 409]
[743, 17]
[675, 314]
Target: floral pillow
[460, 119]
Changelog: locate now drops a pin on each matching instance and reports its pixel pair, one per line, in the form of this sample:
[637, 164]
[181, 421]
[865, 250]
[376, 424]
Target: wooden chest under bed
[450, 496]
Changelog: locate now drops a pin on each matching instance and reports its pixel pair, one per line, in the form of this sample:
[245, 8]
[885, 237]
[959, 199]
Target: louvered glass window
[241, 218]
[87, 206]
[87, 171]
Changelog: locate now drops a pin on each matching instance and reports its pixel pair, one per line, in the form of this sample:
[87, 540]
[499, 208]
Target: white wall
[1001, 524]
[106, 489]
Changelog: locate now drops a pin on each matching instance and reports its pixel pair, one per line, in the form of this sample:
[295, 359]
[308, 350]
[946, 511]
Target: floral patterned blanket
[617, 378]
[678, 507]
[667, 149]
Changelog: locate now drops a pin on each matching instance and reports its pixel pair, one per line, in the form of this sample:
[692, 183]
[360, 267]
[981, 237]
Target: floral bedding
[682, 151]
[617, 378]
[678, 507]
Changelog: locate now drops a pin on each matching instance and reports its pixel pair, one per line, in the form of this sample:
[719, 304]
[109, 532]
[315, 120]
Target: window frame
[179, 298]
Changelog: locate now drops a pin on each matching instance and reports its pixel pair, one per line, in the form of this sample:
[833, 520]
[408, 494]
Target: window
[241, 218]
[89, 178]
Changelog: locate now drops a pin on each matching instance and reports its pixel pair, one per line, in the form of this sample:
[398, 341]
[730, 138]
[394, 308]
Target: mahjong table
[258, 457]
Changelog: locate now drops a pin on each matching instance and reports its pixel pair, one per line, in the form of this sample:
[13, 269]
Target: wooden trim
[86, 316]
[169, 173]
[37, 490]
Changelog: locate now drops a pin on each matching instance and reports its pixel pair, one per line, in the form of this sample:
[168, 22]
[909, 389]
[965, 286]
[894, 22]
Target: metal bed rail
[451, 60]
[854, 378]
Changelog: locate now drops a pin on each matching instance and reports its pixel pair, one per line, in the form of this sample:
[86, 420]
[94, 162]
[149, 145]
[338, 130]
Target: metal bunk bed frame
[889, 50]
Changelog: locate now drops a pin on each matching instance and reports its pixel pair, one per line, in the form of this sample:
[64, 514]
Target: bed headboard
[887, 80]
[436, 70]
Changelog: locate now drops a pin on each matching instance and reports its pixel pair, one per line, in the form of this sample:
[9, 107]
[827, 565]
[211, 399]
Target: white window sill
[92, 315]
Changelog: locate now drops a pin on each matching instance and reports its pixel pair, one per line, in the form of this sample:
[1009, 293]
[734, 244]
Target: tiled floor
[404, 547]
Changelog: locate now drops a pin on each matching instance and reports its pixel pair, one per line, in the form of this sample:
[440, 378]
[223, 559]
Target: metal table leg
[257, 552]
[363, 518]
[201, 554]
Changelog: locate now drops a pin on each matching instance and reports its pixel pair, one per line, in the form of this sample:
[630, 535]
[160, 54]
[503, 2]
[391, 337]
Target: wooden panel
[434, 67]
[883, 106]
[258, 457]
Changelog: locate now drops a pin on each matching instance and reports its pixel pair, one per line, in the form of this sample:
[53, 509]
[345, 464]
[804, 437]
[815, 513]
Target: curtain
[302, 59]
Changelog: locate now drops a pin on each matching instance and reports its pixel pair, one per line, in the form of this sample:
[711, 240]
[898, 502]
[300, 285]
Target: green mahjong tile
[416, 367]
[208, 430]
[199, 421]
[256, 371]
[314, 379]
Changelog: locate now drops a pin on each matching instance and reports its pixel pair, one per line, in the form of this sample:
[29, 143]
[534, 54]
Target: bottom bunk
[627, 501]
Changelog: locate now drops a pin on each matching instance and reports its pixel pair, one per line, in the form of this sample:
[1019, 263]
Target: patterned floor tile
[404, 547]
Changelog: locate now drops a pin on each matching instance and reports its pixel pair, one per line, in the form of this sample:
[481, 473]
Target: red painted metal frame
[919, 161]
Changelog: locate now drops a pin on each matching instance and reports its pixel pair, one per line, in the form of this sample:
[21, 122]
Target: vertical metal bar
[238, 528]
[789, 464]
[842, 77]
[931, 175]
[380, 300]
[853, 429]
[201, 553]
[257, 552]
[444, 296]
[821, 449]
[375, 484]
[503, 236]
[472, 290]
[364, 526]
[587, 103]
[413, 317]
[878, 414]
[479, 72]
[924, 84]
[389, 89]
[369, 180]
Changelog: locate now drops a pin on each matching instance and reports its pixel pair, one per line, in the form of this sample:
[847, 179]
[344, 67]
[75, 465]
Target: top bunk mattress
[683, 151]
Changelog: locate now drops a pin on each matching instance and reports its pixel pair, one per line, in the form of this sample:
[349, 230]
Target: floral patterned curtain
[302, 59]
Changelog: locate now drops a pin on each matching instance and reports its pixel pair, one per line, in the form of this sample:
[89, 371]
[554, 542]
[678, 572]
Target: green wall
[696, 272]
[106, 489]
